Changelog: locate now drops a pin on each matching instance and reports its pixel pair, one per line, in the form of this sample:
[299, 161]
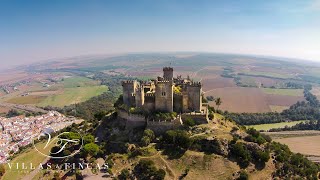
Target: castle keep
[164, 94]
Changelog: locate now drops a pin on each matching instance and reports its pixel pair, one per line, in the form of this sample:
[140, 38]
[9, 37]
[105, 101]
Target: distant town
[17, 132]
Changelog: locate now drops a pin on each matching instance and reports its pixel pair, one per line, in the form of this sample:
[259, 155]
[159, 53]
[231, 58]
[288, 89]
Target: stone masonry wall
[132, 120]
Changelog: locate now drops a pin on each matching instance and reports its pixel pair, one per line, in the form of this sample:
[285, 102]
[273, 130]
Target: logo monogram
[60, 142]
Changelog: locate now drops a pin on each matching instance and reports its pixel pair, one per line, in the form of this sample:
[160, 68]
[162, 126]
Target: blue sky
[44, 29]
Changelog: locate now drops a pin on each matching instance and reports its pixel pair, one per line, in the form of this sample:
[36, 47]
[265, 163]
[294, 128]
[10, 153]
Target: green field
[31, 155]
[284, 92]
[77, 81]
[249, 81]
[68, 91]
[267, 127]
[27, 100]
[268, 74]
[73, 95]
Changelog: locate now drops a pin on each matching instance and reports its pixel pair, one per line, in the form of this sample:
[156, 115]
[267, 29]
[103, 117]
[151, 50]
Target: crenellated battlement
[195, 84]
[128, 82]
[149, 95]
[163, 81]
[177, 95]
[167, 69]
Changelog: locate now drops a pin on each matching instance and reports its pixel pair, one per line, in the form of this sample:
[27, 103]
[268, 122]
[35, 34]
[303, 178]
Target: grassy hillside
[31, 155]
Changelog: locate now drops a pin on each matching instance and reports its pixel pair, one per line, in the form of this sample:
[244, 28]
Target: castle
[164, 94]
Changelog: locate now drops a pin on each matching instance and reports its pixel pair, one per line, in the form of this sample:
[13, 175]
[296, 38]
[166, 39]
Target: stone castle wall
[199, 118]
[132, 120]
[177, 102]
[159, 127]
[149, 103]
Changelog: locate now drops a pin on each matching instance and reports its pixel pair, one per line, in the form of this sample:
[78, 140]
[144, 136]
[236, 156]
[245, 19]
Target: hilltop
[220, 149]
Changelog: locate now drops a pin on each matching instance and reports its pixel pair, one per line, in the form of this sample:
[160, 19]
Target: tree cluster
[290, 165]
[144, 170]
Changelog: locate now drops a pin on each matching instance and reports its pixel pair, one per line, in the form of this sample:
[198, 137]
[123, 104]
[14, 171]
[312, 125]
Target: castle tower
[140, 96]
[168, 73]
[185, 99]
[129, 90]
[194, 90]
[164, 96]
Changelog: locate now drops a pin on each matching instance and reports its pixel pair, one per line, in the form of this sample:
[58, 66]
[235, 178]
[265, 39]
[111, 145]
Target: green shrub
[148, 137]
[243, 175]
[91, 149]
[189, 122]
[177, 138]
[241, 153]
[261, 156]
[124, 175]
[146, 170]
[255, 136]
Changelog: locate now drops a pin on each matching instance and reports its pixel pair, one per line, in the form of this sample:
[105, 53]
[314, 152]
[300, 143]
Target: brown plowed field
[236, 99]
[219, 82]
[308, 145]
[281, 100]
[6, 78]
[316, 91]
[239, 99]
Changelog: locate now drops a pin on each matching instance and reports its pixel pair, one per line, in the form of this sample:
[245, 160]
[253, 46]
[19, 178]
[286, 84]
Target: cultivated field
[27, 99]
[308, 145]
[316, 91]
[267, 82]
[282, 100]
[265, 71]
[284, 92]
[68, 91]
[238, 99]
[73, 95]
[278, 108]
[217, 82]
[249, 81]
[304, 142]
[8, 77]
[267, 127]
